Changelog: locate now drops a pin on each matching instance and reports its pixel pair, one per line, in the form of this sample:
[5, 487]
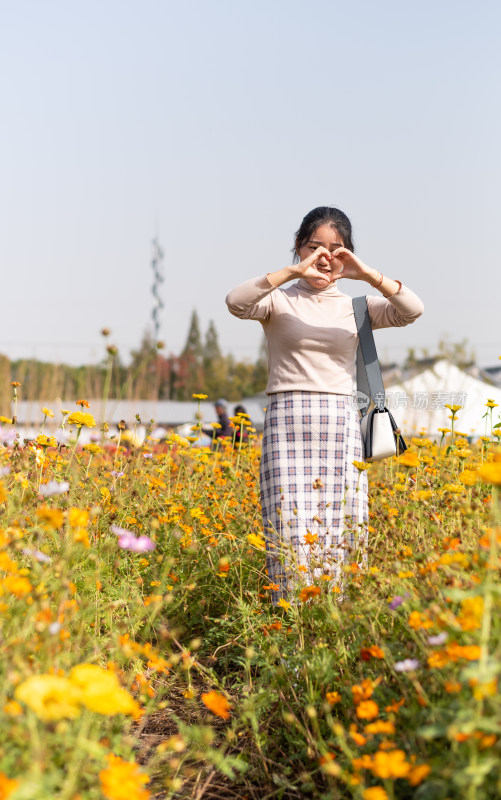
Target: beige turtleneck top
[311, 333]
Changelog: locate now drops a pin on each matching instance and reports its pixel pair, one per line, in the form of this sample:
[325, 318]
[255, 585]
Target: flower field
[141, 657]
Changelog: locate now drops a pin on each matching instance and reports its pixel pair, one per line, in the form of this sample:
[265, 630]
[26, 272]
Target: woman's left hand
[351, 266]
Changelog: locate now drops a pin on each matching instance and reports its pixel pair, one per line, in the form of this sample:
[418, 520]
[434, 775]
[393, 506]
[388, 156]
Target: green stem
[106, 392]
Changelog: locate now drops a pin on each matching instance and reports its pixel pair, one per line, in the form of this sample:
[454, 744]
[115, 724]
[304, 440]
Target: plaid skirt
[313, 499]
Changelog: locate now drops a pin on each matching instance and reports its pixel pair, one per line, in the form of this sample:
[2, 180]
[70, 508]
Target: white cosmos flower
[408, 665]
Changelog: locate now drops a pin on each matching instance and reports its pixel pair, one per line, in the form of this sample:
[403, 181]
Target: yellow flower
[491, 404]
[482, 690]
[101, 691]
[78, 518]
[454, 408]
[490, 472]
[200, 396]
[360, 465]
[123, 780]
[16, 585]
[45, 441]
[453, 488]
[472, 610]
[408, 459]
[12, 709]
[50, 517]
[468, 477]
[284, 604]
[47, 412]
[256, 540]
[81, 419]
[6, 563]
[92, 448]
[217, 703]
[51, 697]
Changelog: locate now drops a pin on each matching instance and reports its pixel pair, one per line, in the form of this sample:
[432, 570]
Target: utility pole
[157, 264]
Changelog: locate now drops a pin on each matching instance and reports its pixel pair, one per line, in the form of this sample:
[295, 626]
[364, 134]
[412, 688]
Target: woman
[313, 497]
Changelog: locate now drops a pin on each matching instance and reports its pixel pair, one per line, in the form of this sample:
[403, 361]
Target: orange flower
[418, 620]
[418, 774]
[122, 780]
[395, 706]
[363, 691]
[217, 703]
[328, 764]
[471, 652]
[7, 786]
[367, 709]
[489, 740]
[438, 659]
[390, 765]
[310, 538]
[357, 737]
[366, 653]
[452, 686]
[308, 592]
[333, 698]
[375, 793]
[363, 762]
[381, 726]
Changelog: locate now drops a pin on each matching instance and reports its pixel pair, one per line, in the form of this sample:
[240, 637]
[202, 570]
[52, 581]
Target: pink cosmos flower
[128, 540]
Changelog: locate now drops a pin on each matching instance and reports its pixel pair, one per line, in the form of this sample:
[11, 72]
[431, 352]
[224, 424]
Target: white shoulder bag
[380, 433]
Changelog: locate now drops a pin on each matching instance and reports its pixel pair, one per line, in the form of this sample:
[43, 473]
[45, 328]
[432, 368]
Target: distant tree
[5, 388]
[193, 346]
[260, 372]
[211, 351]
[460, 353]
[190, 374]
[215, 365]
[144, 380]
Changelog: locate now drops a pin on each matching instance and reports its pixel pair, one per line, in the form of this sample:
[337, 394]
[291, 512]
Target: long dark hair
[323, 215]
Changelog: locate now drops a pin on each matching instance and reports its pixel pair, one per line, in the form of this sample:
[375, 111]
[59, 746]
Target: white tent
[418, 403]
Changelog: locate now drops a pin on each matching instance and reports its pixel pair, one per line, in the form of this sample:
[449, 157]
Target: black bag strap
[369, 379]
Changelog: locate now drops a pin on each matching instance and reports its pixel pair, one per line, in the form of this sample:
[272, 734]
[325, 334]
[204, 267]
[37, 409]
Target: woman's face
[324, 236]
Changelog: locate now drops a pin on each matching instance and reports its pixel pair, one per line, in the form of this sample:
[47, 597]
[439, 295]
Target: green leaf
[432, 731]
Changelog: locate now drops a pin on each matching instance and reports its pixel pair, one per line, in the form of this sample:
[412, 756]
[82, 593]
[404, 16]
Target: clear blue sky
[218, 125]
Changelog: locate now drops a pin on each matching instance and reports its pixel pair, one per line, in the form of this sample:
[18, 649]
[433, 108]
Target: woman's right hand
[320, 267]
[316, 267]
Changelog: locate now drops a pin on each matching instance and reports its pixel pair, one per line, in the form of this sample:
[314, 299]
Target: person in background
[224, 428]
[242, 431]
